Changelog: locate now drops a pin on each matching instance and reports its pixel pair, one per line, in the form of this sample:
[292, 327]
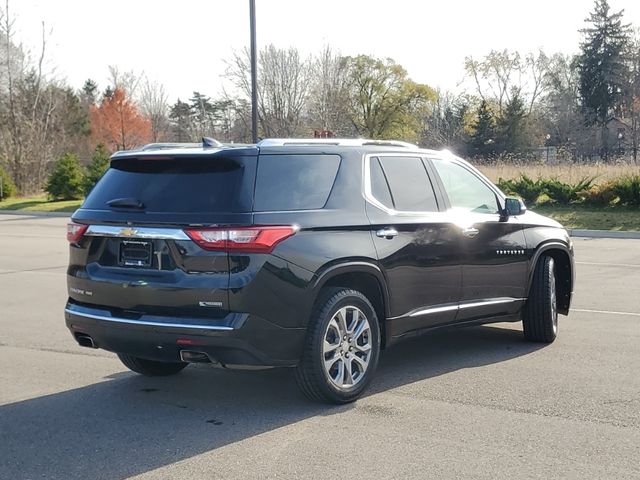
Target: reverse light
[242, 240]
[75, 232]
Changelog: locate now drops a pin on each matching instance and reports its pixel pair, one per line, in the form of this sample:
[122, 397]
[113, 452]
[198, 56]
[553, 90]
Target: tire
[540, 313]
[342, 347]
[150, 368]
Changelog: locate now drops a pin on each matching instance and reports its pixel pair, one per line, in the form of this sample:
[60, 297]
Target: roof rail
[344, 142]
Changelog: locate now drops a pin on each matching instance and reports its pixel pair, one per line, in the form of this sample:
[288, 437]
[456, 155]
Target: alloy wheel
[347, 347]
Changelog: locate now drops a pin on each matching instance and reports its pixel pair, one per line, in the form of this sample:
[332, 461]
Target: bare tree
[39, 117]
[128, 81]
[283, 88]
[154, 106]
[444, 125]
[496, 75]
[537, 66]
[328, 98]
[634, 97]
[27, 112]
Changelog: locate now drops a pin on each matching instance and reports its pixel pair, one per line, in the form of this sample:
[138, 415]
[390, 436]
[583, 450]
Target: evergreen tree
[180, 118]
[204, 115]
[603, 72]
[99, 164]
[89, 92]
[8, 187]
[512, 125]
[484, 135]
[66, 180]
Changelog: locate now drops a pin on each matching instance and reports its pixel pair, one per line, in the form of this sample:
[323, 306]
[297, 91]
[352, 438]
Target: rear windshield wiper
[126, 203]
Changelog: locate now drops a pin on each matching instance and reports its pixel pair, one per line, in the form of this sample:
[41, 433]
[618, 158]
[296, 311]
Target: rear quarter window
[294, 182]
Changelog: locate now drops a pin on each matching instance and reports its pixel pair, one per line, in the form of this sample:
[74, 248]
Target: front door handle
[387, 233]
[470, 232]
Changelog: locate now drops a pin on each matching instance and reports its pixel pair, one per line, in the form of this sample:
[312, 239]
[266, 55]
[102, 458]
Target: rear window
[294, 182]
[185, 185]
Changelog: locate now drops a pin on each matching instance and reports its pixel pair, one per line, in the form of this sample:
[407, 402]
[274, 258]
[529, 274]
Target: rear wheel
[150, 368]
[342, 348]
[540, 314]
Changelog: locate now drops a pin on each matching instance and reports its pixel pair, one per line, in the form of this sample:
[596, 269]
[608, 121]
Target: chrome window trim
[147, 323]
[136, 232]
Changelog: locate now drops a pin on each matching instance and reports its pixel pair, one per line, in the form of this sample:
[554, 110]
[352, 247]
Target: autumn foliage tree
[117, 123]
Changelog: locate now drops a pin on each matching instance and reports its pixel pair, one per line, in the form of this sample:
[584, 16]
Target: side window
[464, 189]
[379, 186]
[294, 182]
[411, 189]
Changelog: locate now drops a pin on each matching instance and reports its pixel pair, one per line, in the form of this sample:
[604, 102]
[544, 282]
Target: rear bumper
[234, 341]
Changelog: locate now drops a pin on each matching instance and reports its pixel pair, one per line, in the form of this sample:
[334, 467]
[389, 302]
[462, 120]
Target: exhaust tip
[85, 340]
[191, 356]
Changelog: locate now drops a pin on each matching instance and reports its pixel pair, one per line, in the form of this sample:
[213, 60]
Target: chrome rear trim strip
[147, 323]
[136, 232]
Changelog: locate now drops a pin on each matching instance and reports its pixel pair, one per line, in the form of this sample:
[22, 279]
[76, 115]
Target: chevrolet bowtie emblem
[128, 232]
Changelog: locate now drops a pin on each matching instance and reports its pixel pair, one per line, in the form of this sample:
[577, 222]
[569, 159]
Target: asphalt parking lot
[473, 403]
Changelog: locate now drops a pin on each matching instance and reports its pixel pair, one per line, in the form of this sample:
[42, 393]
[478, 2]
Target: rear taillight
[75, 231]
[244, 240]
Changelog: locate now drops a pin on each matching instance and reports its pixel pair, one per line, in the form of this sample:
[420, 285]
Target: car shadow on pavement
[128, 424]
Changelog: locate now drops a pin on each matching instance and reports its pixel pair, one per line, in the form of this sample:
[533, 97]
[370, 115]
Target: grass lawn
[38, 204]
[593, 218]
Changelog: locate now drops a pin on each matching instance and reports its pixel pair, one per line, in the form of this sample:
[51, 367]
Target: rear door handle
[470, 232]
[387, 233]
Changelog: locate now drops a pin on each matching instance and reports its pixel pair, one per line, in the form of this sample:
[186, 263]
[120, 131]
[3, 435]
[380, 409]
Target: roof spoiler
[207, 142]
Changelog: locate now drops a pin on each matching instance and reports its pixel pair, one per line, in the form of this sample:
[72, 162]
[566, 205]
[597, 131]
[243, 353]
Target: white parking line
[609, 264]
[607, 312]
[33, 272]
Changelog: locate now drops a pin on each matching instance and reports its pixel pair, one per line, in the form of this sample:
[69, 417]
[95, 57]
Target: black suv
[300, 253]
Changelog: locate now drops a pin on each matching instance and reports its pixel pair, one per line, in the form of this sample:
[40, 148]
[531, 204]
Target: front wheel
[342, 348]
[540, 314]
[150, 368]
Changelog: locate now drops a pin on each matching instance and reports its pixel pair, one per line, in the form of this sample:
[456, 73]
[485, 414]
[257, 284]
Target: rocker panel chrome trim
[461, 306]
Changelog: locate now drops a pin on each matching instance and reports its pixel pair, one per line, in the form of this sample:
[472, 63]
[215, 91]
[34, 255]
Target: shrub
[602, 195]
[524, 187]
[8, 187]
[97, 167]
[565, 193]
[628, 190]
[66, 180]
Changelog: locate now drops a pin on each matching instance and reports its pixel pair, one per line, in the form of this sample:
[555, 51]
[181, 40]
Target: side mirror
[514, 206]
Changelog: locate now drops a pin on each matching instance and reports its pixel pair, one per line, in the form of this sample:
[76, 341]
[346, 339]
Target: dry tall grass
[568, 173]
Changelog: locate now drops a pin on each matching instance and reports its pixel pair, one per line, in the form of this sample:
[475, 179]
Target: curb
[22, 213]
[603, 234]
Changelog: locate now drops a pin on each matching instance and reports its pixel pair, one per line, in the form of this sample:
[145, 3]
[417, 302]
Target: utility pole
[254, 74]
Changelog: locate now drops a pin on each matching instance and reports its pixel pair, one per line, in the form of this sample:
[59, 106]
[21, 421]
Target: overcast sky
[183, 44]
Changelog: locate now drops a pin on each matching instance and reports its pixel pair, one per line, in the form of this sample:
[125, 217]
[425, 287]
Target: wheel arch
[364, 277]
[563, 258]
